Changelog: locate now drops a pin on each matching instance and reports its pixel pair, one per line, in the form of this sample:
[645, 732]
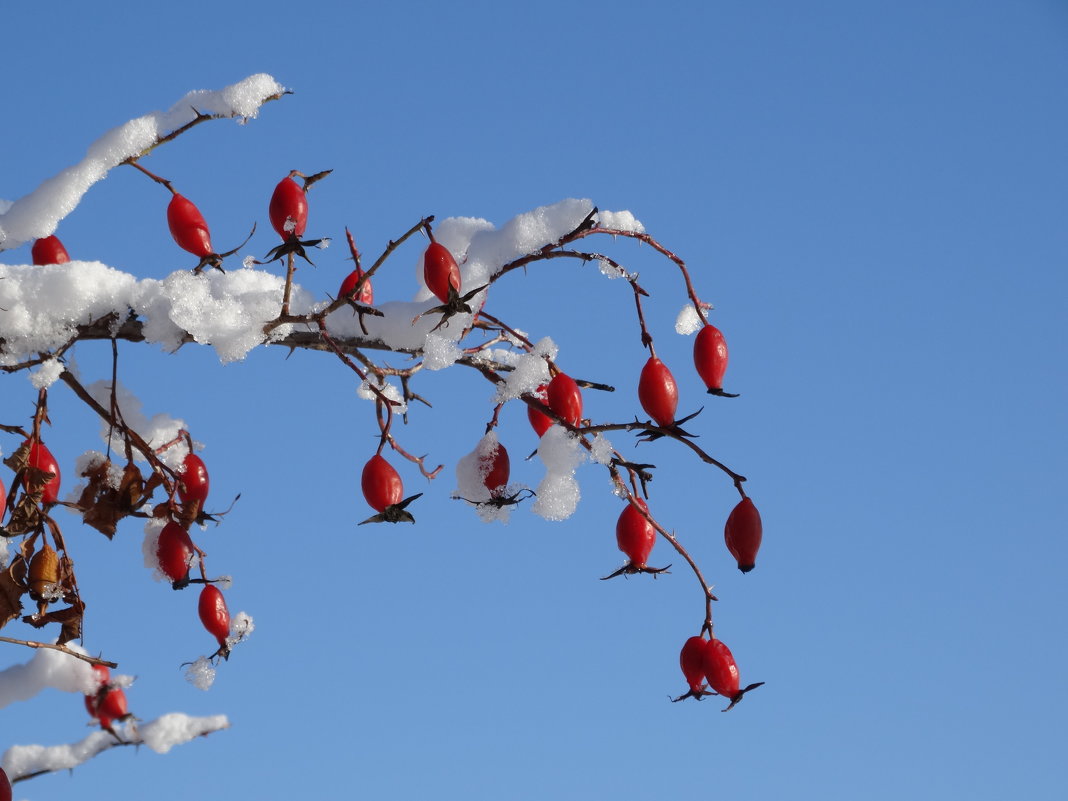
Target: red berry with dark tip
[193, 483]
[565, 398]
[743, 533]
[440, 271]
[496, 467]
[635, 535]
[381, 483]
[289, 209]
[214, 614]
[710, 356]
[174, 551]
[658, 392]
[188, 227]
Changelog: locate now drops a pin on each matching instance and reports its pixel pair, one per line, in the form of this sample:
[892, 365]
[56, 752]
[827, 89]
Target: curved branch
[92, 660]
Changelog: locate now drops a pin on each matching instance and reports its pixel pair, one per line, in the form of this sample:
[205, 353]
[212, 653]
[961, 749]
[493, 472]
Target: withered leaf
[10, 591]
[102, 505]
[70, 620]
[17, 460]
[26, 515]
[132, 486]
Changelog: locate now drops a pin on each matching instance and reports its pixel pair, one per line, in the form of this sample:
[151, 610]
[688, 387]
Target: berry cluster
[457, 293]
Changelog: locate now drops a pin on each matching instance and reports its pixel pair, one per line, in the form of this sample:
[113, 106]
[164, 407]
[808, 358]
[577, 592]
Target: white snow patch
[175, 728]
[46, 374]
[391, 391]
[47, 668]
[156, 431]
[160, 735]
[620, 221]
[558, 493]
[471, 472]
[531, 371]
[601, 450]
[688, 321]
[440, 352]
[37, 214]
[149, 546]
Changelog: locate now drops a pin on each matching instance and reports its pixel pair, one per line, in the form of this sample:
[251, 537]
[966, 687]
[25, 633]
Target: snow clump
[558, 493]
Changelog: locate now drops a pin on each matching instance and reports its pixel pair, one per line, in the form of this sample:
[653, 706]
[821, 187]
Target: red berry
[5, 786]
[710, 357]
[382, 485]
[112, 706]
[366, 295]
[174, 551]
[188, 227]
[193, 483]
[495, 467]
[49, 250]
[658, 392]
[40, 457]
[3, 500]
[538, 421]
[743, 533]
[289, 209]
[565, 398]
[721, 669]
[101, 674]
[90, 705]
[635, 535]
[440, 271]
[692, 660]
[214, 614]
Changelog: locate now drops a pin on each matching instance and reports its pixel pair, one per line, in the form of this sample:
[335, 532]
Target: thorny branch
[311, 332]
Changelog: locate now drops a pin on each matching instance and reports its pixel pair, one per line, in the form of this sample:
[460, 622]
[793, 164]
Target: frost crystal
[200, 674]
[601, 450]
[611, 270]
[241, 627]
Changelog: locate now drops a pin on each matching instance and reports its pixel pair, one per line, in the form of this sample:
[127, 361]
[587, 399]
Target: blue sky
[871, 194]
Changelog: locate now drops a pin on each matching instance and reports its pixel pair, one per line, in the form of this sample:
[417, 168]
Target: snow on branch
[161, 735]
[47, 669]
[37, 214]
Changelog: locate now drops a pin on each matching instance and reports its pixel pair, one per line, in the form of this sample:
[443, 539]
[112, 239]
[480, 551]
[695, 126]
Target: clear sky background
[872, 194]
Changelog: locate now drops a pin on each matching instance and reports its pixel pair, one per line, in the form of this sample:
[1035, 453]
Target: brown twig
[92, 660]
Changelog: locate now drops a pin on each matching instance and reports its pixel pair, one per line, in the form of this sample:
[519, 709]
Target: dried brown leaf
[102, 505]
[17, 460]
[11, 589]
[26, 516]
[69, 618]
